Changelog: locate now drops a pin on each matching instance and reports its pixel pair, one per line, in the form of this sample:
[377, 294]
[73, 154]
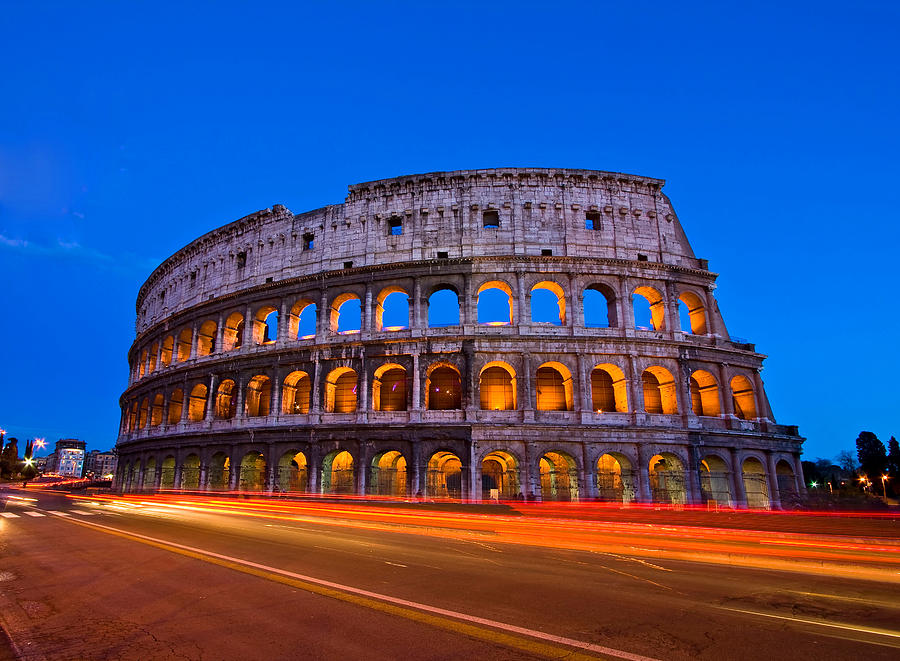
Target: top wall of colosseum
[461, 214]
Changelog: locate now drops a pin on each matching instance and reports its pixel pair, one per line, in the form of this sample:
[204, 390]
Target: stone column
[239, 406]
[284, 322]
[673, 322]
[159, 355]
[635, 392]
[682, 389]
[693, 475]
[762, 402]
[195, 343]
[415, 485]
[418, 304]
[363, 390]
[179, 469]
[527, 398]
[726, 398]
[210, 399]
[316, 407]
[625, 305]
[185, 400]
[275, 404]
[323, 318]
[642, 473]
[468, 310]
[234, 471]
[581, 390]
[220, 335]
[314, 468]
[529, 485]
[367, 310]
[520, 316]
[798, 475]
[362, 469]
[590, 480]
[474, 494]
[249, 323]
[416, 383]
[712, 325]
[737, 481]
[772, 480]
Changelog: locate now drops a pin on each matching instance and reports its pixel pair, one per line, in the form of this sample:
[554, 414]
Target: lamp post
[884, 479]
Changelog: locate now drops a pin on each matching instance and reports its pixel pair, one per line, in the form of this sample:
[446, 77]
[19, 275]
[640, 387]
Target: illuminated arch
[715, 481]
[293, 472]
[443, 307]
[394, 302]
[559, 476]
[608, 389]
[197, 403]
[744, 398]
[497, 386]
[388, 474]
[667, 479]
[556, 291]
[553, 387]
[167, 473]
[754, 476]
[338, 473]
[149, 479]
[265, 325]
[258, 401]
[154, 349]
[615, 478]
[226, 400]
[206, 338]
[696, 312]
[233, 332]
[500, 471]
[190, 472]
[444, 476]
[182, 346]
[142, 365]
[156, 412]
[787, 482]
[341, 391]
[704, 394]
[492, 310]
[389, 388]
[659, 391]
[253, 472]
[295, 393]
[656, 305]
[165, 355]
[176, 406]
[443, 388]
[302, 322]
[219, 476]
[345, 321]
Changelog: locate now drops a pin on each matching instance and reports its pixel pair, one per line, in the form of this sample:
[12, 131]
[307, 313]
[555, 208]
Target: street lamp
[884, 479]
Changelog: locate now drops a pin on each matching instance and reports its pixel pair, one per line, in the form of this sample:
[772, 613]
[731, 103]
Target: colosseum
[534, 334]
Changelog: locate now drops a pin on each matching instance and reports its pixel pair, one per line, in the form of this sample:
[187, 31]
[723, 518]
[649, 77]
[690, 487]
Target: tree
[846, 461]
[872, 455]
[893, 458]
[9, 458]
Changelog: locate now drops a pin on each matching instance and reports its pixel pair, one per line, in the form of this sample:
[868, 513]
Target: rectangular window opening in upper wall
[241, 260]
[491, 219]
[309, 241]
[592, 220]
[395, 226]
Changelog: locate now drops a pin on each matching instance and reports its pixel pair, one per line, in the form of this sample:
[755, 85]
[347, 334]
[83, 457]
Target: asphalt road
[175, 578]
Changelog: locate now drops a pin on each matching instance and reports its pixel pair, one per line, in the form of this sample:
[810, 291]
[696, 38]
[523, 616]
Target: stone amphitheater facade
[251, 370]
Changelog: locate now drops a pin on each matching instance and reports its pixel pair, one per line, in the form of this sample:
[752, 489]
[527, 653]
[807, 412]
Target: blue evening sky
[129, 129]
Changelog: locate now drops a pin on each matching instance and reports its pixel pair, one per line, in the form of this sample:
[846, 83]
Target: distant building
[70, 457]
[41, 463]
[99, 464]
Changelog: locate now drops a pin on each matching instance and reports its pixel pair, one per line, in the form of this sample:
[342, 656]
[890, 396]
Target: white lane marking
[396, 564]
[9, 515]
[848, 627]
[83, 513]
[35, 514]
[532, 633]
[58, 513]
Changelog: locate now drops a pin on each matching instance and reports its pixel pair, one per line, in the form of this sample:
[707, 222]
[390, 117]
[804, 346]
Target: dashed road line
[35, 514]
[9, 515]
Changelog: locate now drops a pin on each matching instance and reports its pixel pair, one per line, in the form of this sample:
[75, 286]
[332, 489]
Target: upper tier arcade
[441, 215]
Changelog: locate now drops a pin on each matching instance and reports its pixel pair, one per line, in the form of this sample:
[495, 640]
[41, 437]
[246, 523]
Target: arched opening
[389, 388]
[494, 304]
[600, 307]
[704, 394]
[156, 413]
[338, 473]
[615, 478]
[500, 471]
[149, 482]
[226, 400]
[715, 481]
[154, 349]
[787, 482]
[340, 391]
[346, 314]
[497, 386]
[559, 477]
[443, 388]
[206, 338]
[197, 403]
[259, 396]
[233, 332]
[183, 345]
[253, 472]
[167, 473]
[143, 413]
[608, 389]
[142, 365]
[295, 393]
[553, 387]
[135, 476]
[190, 473]
[388, 475]
[133, 417]
[755, 486]
[219, 472]
[176, 406]
[744, 398]
[303, 320]
[649, 309]
[443, 308]
[548, 304]
[692, 313]
[659, 391]
[444, 476]
[165, 355]
[392, 309]
[667, 479]
[265, 325]
[293, 472]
